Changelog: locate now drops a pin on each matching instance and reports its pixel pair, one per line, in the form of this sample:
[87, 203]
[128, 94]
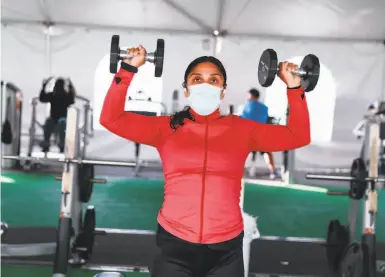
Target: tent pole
[48, 51]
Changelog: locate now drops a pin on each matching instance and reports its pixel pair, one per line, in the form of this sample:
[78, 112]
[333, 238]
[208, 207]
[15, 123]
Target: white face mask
[204, 99]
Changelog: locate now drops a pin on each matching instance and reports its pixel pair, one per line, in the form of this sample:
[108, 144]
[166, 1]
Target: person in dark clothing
[62, 96]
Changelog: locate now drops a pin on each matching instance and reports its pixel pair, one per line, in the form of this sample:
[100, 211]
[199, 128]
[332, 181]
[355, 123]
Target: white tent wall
[358, 70]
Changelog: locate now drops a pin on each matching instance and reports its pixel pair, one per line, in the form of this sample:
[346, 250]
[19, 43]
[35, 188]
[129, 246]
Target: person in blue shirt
[257, 111]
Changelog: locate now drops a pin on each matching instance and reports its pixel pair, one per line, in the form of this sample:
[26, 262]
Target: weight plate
[312, 66]
[89, 226]
[159, 57]
[85, 174]
[359, 185]
[337, 239]
[352, 262]
[114, 54]
[267, 67]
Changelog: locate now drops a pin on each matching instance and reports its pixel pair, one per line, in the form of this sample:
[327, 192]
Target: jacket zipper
[203, 183]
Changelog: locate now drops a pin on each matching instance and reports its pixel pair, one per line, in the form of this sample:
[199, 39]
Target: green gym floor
[34, 199]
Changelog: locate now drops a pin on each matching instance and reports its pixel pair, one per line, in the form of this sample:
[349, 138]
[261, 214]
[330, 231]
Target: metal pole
[383, 78]
[85, 129]
[48, 50]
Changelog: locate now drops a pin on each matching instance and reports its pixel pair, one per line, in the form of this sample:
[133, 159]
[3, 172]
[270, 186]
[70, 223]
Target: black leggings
[49, 127]
[180, 258]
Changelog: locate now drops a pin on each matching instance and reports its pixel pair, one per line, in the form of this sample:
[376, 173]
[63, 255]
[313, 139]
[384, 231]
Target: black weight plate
[337, 239]
[359, 185]
[159, 57]
[114, 54]
[267, 67]
[85, 174]
[89, 226]
[312, 66]
[352, 261]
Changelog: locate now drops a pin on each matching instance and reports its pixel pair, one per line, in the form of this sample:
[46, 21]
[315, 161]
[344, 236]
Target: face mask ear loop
[184, 86]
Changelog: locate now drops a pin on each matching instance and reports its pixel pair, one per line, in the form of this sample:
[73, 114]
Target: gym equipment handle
[299, 72]
[150, 57]
[93, 180]
[339, 178]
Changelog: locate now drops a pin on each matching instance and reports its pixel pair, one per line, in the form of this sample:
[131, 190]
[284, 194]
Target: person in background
[60, 98]
[257, 111]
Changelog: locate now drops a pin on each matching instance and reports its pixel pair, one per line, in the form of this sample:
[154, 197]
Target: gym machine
[346, 256]
[11, 120]
[86, 129]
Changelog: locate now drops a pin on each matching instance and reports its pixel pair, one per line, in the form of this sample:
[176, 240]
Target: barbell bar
[76, 161]
[92, 180]
[339, 178]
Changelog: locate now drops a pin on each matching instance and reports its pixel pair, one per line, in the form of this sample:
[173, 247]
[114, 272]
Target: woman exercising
[203, 153]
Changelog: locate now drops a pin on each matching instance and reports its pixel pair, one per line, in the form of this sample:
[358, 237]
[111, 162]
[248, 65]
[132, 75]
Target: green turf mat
[32, 271]
[33, 200]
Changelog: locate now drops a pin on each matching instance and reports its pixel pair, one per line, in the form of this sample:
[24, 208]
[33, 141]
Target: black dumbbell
[268, 68]
[117, 54]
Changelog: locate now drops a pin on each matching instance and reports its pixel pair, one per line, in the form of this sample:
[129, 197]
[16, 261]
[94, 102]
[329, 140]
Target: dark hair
[254, 92]
[59, 88]
[177, 119]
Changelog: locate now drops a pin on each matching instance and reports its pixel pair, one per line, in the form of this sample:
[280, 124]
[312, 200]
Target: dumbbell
[117, 54]
[268, 68]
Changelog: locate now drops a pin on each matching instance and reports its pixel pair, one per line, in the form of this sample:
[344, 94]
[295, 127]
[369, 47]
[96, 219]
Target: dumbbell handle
[150, 57]
[299, 72]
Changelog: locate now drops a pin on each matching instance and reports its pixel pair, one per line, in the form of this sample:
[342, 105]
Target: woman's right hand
[138, 56]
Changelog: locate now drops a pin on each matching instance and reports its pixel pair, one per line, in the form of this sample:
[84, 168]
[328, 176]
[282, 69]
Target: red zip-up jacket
[203, 160]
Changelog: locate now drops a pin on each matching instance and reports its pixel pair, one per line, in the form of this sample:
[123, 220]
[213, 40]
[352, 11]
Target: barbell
[155, 57]
[268, 68]
[75, 161]
[85, 174]
[358, 180]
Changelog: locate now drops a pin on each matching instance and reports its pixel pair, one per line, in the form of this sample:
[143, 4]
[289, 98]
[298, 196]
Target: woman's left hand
[291, 80]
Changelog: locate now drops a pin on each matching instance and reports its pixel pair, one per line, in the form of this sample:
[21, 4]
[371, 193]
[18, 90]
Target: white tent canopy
[351, 20]
[71, 37]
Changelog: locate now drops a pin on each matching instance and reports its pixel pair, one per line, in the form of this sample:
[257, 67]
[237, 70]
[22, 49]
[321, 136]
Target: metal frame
[205, 28]
[86, 129]
[370, 198]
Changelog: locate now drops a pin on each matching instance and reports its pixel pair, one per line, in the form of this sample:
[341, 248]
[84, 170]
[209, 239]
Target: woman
[203, 153]
[62, 96]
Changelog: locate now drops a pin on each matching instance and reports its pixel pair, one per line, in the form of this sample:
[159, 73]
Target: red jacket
[203, 161]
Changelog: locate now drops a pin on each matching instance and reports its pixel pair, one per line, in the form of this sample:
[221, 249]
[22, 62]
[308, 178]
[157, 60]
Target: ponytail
[177, 119]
